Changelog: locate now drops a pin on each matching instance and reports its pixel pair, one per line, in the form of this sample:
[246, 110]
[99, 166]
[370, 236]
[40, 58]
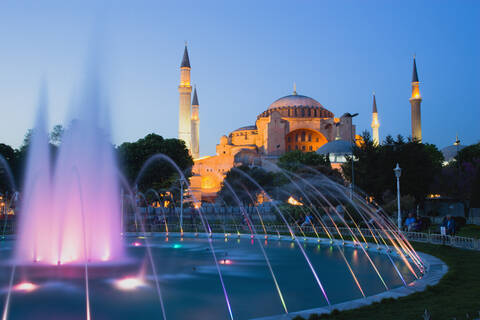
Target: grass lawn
[470, 231]
[457, 293]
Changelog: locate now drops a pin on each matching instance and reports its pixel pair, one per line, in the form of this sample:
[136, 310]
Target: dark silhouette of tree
[374, 165]
[160, 174]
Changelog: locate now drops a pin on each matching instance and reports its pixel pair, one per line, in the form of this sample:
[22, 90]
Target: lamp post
[352, 139]
[398, 173]
[181, 205]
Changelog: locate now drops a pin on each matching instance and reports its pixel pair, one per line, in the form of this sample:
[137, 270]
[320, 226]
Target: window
[289, 139]
[309, 137]
[303, 136]
[310, 148]
[303, 112]
[303, 148]
[289, 148]
[296, 147]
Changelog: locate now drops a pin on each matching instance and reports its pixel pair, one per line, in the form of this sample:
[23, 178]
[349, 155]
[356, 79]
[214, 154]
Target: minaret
[184, 112]
[375, 124]
[195, 126]
[415, 101]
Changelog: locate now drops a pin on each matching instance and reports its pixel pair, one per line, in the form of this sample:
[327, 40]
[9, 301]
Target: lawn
[457, 294]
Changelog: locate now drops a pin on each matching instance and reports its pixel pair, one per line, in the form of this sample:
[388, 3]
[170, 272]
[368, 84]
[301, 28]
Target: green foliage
[475, 196]
[294, 160]
[11, 157]
[244, 188]
[56, 135]
[159, 174]
[374, 165]
[469, 154]
[407, 203]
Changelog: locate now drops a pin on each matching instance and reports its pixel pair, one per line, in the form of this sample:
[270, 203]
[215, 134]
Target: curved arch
[306, 140]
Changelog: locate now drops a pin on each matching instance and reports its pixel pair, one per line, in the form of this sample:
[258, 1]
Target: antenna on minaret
[457, 141]
[294, 88]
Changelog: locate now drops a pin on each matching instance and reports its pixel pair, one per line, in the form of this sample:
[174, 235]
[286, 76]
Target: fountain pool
[190, 285]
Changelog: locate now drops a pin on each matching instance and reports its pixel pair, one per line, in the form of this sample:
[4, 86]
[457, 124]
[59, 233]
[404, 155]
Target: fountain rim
[435, 268]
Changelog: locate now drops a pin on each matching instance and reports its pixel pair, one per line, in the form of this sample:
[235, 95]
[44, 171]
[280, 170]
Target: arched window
[304, 140]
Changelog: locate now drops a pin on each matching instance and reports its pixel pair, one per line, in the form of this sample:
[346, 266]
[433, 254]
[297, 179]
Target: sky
[244, 55]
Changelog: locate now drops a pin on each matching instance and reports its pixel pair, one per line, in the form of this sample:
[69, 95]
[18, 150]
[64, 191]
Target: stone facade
[293, 122]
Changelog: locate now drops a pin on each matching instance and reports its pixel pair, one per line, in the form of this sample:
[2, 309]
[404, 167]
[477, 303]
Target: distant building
[415, 102]
[293, 122]
[450, 152]
[375, 123]
[188, 111]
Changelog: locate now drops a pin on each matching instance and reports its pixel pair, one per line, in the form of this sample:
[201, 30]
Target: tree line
[131, 156]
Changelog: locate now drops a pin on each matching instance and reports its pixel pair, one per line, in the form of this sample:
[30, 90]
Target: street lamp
[398, 173]
[181, 205]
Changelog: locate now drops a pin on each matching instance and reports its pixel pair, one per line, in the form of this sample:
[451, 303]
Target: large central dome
[295, 100]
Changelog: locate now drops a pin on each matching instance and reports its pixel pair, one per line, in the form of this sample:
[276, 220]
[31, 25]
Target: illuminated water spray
[53, 227]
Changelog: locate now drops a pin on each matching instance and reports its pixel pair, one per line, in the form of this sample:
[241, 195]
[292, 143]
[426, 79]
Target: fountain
[240, 255]
[71, 206]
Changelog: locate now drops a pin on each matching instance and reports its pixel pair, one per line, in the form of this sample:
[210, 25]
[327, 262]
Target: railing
[346, 233]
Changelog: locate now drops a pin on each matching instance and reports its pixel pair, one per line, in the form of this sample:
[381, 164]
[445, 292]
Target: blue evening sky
[244, 55]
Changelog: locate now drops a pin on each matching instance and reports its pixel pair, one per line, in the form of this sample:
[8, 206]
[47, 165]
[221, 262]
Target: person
[410, 222]
[449, 225]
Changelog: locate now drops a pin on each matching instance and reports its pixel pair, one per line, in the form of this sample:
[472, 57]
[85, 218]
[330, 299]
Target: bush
[460, 222]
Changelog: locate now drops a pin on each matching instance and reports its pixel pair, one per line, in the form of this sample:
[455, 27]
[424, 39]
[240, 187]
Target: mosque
[292, 122]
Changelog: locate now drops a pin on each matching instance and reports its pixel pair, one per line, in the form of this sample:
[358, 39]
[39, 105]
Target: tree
[302, 163]
[469, 154]
[245, 190]
[160, 174]
[10, 157]
[56, 135]
[374, 165]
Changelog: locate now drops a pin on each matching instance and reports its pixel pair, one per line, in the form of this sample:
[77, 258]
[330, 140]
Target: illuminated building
[375, 124]
[293, 122]
[415, 101]
[185, 108]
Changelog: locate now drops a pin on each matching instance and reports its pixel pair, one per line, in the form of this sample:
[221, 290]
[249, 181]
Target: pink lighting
[129, 283]
[136, 244]
[25, 287]
[72, 205]
[225, 261]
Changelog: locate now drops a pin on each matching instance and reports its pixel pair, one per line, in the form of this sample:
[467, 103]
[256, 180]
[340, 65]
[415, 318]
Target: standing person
[449, 225]
[410, 222]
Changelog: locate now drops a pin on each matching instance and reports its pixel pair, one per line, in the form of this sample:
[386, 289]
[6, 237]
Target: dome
[337, 147]
[295, 100]
[450, 152]
[254, 127]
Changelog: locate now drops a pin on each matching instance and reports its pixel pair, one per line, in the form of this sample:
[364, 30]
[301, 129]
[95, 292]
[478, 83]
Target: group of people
[447, 228]
[412, 224]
